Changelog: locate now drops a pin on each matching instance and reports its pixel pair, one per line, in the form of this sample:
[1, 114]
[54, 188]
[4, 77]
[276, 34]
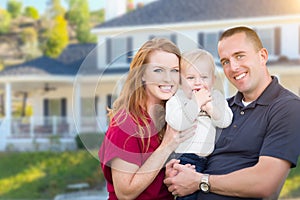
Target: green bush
[90, 141]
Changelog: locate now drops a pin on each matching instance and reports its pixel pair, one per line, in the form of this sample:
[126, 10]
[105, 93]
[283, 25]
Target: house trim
[202, 24]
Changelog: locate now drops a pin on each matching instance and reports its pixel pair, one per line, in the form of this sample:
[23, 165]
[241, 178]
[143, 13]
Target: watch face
[204, 187]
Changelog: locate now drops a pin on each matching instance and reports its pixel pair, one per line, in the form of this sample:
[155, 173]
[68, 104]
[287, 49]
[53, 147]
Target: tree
[32, 12]
[5, 21]
[55, 9]
[79, 18]
[30, 47]
[14, 7]
[56, 38]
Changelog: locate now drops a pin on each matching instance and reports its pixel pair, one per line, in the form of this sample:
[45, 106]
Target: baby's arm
[219, 110]
[181, 112]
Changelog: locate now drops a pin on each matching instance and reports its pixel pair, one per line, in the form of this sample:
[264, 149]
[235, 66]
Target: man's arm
[261, 180]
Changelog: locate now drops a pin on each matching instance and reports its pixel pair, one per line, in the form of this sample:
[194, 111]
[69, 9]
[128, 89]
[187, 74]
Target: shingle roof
[40, 66]
[75, 52]
[68, 63]
[180, 11]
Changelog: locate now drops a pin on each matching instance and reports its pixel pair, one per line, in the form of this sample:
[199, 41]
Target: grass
[291, 188]
[42, 175]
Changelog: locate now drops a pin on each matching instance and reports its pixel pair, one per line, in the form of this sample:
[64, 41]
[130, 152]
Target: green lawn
[42, 175]
[291, 188]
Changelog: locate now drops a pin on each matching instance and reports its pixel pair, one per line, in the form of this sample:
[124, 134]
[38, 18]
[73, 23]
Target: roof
[40, 66]
[76, 58]
[75, 52]
[68, 63]
[181, 11]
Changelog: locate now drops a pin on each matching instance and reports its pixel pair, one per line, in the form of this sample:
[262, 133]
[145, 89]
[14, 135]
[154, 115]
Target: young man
[253, 156]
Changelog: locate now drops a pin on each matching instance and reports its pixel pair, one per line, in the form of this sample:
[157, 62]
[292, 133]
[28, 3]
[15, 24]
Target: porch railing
[39, 127]
[43, 127]
[43, 133]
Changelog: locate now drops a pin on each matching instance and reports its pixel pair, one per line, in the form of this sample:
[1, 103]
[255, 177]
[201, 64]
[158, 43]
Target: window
[55, 107]
[119, 50]
[89, 107]
[110, 100]
[171, 37]
[270, 38]
[209, 42]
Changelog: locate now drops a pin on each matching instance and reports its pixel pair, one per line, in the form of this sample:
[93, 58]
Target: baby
[197, 102]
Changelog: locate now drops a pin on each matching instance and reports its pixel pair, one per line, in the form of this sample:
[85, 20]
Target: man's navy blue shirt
[269, 126]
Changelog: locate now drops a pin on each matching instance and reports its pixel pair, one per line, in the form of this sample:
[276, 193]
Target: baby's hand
[208, 107]
[202, 97]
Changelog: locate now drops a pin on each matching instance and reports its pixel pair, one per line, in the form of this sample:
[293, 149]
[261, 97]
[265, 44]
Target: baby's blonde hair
[191, 58]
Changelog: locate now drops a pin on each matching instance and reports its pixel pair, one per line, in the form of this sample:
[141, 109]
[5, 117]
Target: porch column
[226, 87]
[77, 106]
[8, 108]
[5, 125]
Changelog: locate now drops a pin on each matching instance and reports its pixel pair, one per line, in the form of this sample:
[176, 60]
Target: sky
[41, 4]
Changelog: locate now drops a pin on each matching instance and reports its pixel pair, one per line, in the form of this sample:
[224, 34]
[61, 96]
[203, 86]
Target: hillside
[26, 36]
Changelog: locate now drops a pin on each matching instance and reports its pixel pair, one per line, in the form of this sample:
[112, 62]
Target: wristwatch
[204, 184]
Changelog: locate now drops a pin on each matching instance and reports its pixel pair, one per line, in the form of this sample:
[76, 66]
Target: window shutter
[299, 38]
[201, 40]
[96, 105]
[277, 42]
[63, 107]
[129, 49]
[109, 100]
[108, 50]
[151, 37]
[46, 107]
[174, 38]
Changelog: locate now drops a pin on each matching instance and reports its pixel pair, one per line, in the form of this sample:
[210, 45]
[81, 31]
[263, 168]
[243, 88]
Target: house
[198, 23]
[47, 85]
[69, 95]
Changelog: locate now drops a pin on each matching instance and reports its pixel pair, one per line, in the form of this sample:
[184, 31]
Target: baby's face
[197, 76]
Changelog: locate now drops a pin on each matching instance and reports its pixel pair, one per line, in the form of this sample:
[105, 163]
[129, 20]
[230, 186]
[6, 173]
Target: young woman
[138, 142]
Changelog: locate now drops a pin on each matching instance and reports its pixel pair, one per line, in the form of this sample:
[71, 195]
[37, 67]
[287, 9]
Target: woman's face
[161, 77]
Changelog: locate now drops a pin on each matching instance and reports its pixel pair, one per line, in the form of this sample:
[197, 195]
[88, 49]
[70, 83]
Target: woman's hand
[180, 179]
[173, 138]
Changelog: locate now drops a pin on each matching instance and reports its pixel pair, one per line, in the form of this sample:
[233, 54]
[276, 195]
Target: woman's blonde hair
[132, 99]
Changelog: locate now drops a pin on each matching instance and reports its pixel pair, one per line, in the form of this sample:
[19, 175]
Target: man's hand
[181, 179]
[170, 171]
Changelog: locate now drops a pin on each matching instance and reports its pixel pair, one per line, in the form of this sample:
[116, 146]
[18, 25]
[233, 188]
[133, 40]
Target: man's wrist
[204, 185]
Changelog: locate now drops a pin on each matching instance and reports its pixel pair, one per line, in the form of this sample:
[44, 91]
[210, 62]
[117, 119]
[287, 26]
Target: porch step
[78, 186]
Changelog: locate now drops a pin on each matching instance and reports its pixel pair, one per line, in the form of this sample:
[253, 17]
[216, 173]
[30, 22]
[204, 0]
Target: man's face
[243, 65]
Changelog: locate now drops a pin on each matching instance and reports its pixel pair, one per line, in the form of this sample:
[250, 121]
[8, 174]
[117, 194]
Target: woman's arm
[130, 180]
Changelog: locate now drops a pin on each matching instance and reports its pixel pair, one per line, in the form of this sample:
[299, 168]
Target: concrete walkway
[84, 195]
